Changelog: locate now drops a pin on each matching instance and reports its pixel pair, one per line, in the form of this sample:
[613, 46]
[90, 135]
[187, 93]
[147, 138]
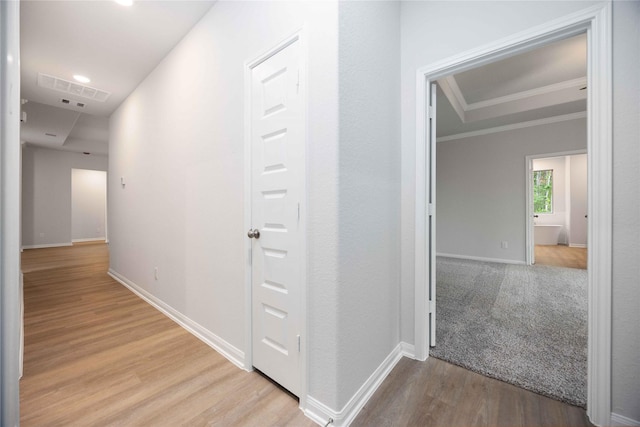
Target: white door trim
[596, 21]
[299, 36]
[529, 243]
[11, 303]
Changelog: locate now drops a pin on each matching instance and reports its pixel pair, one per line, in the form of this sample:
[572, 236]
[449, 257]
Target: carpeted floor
[526, 325]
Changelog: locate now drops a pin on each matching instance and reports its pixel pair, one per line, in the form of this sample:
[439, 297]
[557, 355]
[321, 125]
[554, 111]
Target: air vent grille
[55, 83]
[74, 103]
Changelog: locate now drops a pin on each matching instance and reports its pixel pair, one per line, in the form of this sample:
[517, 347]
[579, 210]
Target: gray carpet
[525, 325]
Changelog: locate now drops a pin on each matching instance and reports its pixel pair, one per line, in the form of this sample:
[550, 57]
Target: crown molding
[452, 91]
[543, 90]
[450, 88]
[521, 125]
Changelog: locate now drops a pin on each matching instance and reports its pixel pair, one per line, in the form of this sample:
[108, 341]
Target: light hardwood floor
[561, 256]
[97, 355]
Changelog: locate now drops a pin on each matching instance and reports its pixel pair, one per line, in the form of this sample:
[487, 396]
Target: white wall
[473, 222]
[435, 30]
[578, 202]
[46, 193]
[182, 206]
[626, 210]
[560, 199]
[88, 204]
[369, 201]
[178, 142]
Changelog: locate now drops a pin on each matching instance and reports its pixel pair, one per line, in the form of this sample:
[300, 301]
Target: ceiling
[115, 46]
[539, 84]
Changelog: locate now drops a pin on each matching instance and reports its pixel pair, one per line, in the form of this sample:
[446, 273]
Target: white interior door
[431, 197]
[277, 188]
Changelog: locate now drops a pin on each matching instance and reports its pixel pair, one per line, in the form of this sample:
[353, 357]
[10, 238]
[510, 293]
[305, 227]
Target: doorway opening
[596, 23]
[88, 205]
[557, 209]
[498, 316]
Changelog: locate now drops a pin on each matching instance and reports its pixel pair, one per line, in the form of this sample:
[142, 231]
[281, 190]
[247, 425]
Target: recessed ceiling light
[81, 79]
[124, 2]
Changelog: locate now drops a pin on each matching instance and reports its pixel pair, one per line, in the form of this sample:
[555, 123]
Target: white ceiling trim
[556, 87]
[457, 93]
[521, 125]
[454, 98]
[452, 91]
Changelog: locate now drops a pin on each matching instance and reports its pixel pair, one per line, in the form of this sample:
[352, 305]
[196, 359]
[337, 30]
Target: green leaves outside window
[543, 191]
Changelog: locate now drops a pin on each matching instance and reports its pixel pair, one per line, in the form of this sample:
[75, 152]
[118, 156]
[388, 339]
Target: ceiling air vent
[62, 85]
[74, 103]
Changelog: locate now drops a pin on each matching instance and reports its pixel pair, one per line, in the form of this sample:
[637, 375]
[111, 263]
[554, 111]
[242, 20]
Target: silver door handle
[253, 234]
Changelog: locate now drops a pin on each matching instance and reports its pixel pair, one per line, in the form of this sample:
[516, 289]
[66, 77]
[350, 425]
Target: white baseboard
[622, 421]
[577, 245]
[408, 350]
[91, 239]
[320, 413]
[48, 245]
[477, 258]
[233, 354]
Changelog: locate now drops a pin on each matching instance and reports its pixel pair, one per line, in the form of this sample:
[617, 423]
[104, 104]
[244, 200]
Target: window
[543, 191]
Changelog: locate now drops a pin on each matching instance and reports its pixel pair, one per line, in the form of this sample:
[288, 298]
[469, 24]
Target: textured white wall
[46, 193]
[626, 210]
[88, 204]
[178, 141]
[432, 31]
[369, 195]
[472, 221]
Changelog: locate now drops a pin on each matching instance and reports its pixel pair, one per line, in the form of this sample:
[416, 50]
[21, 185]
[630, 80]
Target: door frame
[529, 240]
[596, 22]
[297, 36]
[10, 224]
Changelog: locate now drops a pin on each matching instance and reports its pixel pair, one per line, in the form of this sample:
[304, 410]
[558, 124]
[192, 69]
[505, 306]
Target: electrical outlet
[155, 273]
[504, 245]
[41, 234]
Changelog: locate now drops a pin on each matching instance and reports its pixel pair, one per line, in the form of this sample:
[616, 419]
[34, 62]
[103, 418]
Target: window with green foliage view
[543, 191]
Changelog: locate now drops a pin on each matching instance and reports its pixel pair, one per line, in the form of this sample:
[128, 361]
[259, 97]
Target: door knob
[253, 234]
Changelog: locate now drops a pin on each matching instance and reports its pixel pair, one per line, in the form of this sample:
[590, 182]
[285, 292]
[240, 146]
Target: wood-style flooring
[97, 355]
[561, 256]
[435, 393]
